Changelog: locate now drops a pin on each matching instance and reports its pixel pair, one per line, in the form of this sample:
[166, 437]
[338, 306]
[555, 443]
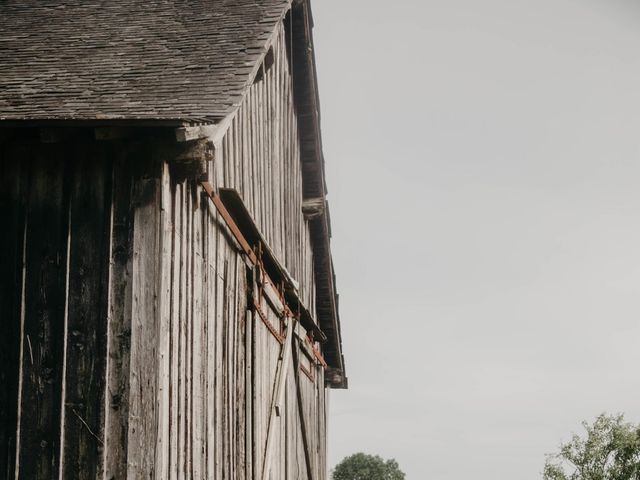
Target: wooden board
[13, 187]
[86, 314]
[43, 318]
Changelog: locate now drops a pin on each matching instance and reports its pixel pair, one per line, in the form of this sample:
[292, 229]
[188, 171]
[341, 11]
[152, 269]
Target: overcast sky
[483, 164]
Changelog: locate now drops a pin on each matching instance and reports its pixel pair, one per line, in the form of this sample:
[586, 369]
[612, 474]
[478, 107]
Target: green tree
[361, 466]
[610, 451]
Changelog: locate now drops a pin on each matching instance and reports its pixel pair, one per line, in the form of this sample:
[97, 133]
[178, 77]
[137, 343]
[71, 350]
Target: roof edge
[306, 98]
[103, 122]
[224, 123]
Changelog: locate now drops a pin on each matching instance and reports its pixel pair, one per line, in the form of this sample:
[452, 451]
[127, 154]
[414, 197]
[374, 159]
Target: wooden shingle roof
[182, 61]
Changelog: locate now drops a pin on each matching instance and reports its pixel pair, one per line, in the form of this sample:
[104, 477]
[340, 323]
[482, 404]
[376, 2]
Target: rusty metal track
[287, 293]
[268, 324]
[224, 213]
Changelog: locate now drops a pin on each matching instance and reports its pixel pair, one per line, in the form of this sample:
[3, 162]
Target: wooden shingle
[166, 61]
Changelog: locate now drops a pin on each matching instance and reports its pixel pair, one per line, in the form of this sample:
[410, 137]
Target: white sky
[483, 162]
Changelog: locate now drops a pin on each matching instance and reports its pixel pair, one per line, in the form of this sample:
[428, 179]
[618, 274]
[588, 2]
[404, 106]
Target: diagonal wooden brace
[278, 395]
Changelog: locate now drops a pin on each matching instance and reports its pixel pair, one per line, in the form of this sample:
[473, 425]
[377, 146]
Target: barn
[168, 298]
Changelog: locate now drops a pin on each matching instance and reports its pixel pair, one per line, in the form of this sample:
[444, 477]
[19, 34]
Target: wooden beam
[201, 151]
[188, 134]
[313, 207]
[212, 132]
[335, 378]
[186, 160]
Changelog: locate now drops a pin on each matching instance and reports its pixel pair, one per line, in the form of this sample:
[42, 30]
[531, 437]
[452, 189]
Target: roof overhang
[305, 86]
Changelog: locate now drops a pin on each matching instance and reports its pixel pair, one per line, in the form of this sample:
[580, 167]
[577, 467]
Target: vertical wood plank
[197, 395]
[182, 338]
[218, 375]
[210, 338]
[13, 191]
[249, 386]
[175, 328]
[164, 305]
[189, 336]
[241, 367]
[119, 325]
[143, 394]
[88, 263]
[43, 323]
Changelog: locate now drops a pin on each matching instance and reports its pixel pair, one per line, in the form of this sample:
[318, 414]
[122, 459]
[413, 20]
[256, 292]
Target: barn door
[270, 359]
[282, 428]
[283, 388]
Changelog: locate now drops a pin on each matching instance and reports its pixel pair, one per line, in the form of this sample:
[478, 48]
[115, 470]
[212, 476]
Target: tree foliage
[361, 466]
[610, 451]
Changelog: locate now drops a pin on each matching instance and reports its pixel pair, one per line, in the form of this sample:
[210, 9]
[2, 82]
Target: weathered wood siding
[129, 344]
[260, 157]
[57, 200]
[218, 361]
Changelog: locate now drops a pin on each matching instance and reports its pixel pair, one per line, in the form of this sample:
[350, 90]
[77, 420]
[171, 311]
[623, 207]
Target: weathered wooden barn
[167, 296]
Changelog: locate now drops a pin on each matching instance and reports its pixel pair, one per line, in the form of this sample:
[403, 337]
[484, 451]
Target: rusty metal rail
[288, 293]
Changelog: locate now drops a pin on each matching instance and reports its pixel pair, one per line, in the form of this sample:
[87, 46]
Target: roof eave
[314, 185]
